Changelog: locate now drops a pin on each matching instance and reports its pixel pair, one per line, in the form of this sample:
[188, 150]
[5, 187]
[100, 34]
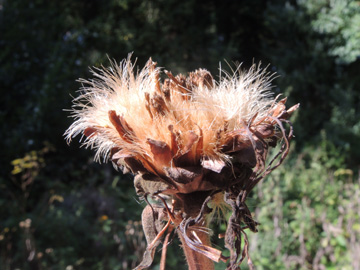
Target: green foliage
[59, 210]
[302, 42]
[339, 23]
[309, 214]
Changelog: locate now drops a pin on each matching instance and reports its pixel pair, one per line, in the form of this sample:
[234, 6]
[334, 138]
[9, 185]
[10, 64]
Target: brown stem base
[195, 260]
[191, 206]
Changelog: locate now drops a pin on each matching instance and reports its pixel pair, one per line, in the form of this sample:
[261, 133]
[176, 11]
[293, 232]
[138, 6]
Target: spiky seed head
[184, 122]
[187, 139]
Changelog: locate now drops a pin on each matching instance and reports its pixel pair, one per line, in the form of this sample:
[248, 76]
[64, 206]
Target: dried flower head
[192, 143]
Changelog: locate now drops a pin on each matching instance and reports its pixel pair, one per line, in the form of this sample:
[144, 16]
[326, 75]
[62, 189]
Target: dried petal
[161, 153]
[90, 132]
[215, 165]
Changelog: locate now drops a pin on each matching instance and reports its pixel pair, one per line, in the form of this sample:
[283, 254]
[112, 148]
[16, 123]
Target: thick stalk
[191, 206]
[195, 260]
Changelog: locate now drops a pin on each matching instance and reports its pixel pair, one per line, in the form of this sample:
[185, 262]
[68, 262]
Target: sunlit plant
[194, 146]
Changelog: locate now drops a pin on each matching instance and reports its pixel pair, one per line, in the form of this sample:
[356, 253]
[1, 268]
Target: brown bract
[187, 140]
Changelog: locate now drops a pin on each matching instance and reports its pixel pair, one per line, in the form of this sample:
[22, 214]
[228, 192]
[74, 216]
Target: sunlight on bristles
[211, 108]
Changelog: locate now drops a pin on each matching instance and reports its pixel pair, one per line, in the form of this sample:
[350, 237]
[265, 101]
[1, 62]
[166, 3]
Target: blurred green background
[61, 211]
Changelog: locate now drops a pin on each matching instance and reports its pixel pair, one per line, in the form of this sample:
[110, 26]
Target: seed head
[188, 138]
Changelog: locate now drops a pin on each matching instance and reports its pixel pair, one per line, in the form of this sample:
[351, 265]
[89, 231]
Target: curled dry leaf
[186, 140]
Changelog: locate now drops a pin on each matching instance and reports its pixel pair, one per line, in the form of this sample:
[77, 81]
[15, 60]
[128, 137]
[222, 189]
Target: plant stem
[191, 206]
[195, 260]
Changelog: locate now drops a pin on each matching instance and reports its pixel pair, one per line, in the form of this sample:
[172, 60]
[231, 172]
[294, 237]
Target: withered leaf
[245, 156]
[152, 224]
[135, 165]
[150, 184]
[182, 175]
[265, 130]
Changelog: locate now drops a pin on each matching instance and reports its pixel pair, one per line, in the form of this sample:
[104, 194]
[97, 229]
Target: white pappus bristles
[206, 109]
